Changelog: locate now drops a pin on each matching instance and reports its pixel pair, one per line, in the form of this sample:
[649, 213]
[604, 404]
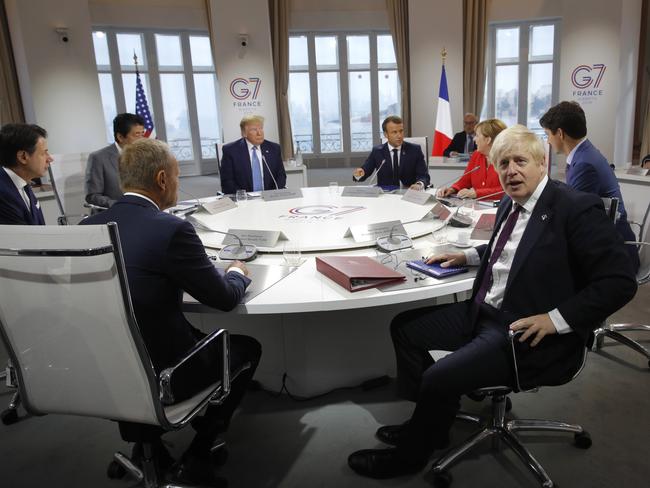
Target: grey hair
[141, 161]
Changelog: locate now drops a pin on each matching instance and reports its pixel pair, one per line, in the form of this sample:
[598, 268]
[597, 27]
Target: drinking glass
[241, 195]
[439, 232]
[334, 188]
[291, 252]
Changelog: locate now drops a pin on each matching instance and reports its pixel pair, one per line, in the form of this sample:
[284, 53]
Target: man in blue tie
[252, 163]
[23, 157]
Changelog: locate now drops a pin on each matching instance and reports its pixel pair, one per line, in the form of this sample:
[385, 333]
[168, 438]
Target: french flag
[444, 133]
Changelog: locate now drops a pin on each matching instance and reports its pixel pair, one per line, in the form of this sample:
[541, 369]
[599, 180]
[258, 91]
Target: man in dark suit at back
[23, 156]
[463, 141]
[398, 162]
[554, 268]
[164, 257]
[252, 163]
[587, 169]
[102, 178]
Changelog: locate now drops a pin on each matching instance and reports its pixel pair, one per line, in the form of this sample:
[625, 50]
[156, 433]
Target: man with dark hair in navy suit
[554, 268]
[587, 169]
[398, 162]
[164, 257]
[252, 163]
[23, 157]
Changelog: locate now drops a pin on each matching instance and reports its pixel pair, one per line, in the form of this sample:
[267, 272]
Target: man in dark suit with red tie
[252, 163]
[396, 161]
[554, 268]
[23, 156]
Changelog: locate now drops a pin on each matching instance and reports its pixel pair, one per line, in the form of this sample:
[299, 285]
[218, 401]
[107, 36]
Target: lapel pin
[544, 217]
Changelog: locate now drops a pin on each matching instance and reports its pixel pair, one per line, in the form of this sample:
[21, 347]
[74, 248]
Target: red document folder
[356, 273]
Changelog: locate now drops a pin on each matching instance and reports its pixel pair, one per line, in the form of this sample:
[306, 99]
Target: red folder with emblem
[356, 273]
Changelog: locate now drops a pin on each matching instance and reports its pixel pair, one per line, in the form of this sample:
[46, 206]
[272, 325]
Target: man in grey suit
[102, 178]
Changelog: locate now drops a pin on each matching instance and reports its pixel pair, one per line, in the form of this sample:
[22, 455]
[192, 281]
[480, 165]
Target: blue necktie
[258, 183]
[37, 215]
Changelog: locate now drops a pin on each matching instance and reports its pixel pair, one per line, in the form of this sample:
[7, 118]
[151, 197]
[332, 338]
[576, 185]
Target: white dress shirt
[259, 157]
[569, 158]
[501, 268]
[20, 186]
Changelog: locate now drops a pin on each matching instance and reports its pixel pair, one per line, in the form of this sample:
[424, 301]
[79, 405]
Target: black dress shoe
[394, 434]
[385, 463]
[191, 470]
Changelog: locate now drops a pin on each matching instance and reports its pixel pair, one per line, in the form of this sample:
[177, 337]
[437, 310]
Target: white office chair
[67, 174]
[67, 321]
[423, 142]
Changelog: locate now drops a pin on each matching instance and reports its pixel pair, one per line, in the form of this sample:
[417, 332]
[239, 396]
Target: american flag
[141, 105]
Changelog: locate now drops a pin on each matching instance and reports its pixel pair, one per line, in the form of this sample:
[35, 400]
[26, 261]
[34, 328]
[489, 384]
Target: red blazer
[485, 180]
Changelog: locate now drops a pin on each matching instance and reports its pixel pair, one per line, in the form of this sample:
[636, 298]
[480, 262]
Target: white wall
[434, 24]
[235, 63]
[593, 32]
[165, 14]
[58, 81]
[338, 15]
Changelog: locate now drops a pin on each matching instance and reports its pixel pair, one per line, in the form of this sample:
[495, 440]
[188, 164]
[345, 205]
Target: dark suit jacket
[13, 210]
[458, 144]
[589, 171]
[164, 257]
[102, 177]
[236, 173]
[571, 258]
[412, 167]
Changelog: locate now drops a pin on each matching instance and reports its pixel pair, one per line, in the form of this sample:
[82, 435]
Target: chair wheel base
[582, 440]
[442, 479]
[9, 416]
[115, 471]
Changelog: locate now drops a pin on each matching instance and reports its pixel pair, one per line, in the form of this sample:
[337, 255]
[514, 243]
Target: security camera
[243, 40]
[63, 33]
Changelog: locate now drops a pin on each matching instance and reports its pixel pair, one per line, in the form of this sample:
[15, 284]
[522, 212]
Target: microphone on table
[270, 172]
[374, 177]
[458, 220]
[184, 212]
[394, 242]
[449, 203]
[230, 252]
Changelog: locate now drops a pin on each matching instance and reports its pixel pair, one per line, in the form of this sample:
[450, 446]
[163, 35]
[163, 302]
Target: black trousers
[481, 358]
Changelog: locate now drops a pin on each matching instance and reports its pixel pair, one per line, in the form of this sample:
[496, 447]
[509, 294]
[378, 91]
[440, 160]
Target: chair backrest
[611, 207]
[67, 321]
[643, 275]
[423, 142]
[67, 174]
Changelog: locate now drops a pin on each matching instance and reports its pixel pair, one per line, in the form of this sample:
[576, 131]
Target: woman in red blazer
[483, 181]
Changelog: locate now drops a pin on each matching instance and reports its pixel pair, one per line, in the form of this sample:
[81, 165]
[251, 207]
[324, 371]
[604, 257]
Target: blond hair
[141, 161]
[490, 128]
[250, 119]
[516, 140]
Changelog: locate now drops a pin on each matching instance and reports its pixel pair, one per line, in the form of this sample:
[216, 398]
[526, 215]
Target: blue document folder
[435, 270]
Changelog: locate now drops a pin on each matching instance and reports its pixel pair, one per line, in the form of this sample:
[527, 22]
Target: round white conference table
[313, 330]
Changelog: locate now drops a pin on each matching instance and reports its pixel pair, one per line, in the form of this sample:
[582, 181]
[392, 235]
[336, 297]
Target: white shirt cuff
[560, 324]
[236, 270]
[472, 257]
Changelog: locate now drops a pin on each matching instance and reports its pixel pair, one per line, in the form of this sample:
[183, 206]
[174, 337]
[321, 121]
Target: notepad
[435, 270]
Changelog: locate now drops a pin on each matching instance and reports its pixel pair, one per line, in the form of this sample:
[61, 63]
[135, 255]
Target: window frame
[343, 69]
[523, 62]
[198, 165]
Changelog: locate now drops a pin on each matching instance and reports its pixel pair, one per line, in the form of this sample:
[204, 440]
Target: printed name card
[218, 206]
[365, 233]
[439, 211]
[361, 191]
[638, 171]
[261, 238]
[417, 196]
[282, 194]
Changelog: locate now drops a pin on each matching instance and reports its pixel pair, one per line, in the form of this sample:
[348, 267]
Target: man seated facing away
[554, 268]
[102, 181]
[463, 141]
[23, 156]
[252, 163]
[587, 169]
[164, 257]
[398, 162]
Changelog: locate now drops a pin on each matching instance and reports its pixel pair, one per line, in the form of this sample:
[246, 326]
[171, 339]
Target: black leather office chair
[74, 354]
[498, 428]
[614, 331]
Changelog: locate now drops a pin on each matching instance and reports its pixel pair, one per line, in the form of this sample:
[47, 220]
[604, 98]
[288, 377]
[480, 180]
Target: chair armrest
[512, 335]
[92, 206]
[638, 243]
[165, 380]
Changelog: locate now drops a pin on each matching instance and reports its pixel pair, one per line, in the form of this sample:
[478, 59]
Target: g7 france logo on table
[320, 212]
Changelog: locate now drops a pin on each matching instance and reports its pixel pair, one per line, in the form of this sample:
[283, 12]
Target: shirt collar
[133, 194]
[391, 147]
[17, 180]
[250, 145]
[532, 200]
[119, 148]
[569, 158]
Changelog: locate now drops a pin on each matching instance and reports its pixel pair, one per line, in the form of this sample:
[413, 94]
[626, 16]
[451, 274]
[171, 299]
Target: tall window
[341, 87]
[179, 78]
[522, 77]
